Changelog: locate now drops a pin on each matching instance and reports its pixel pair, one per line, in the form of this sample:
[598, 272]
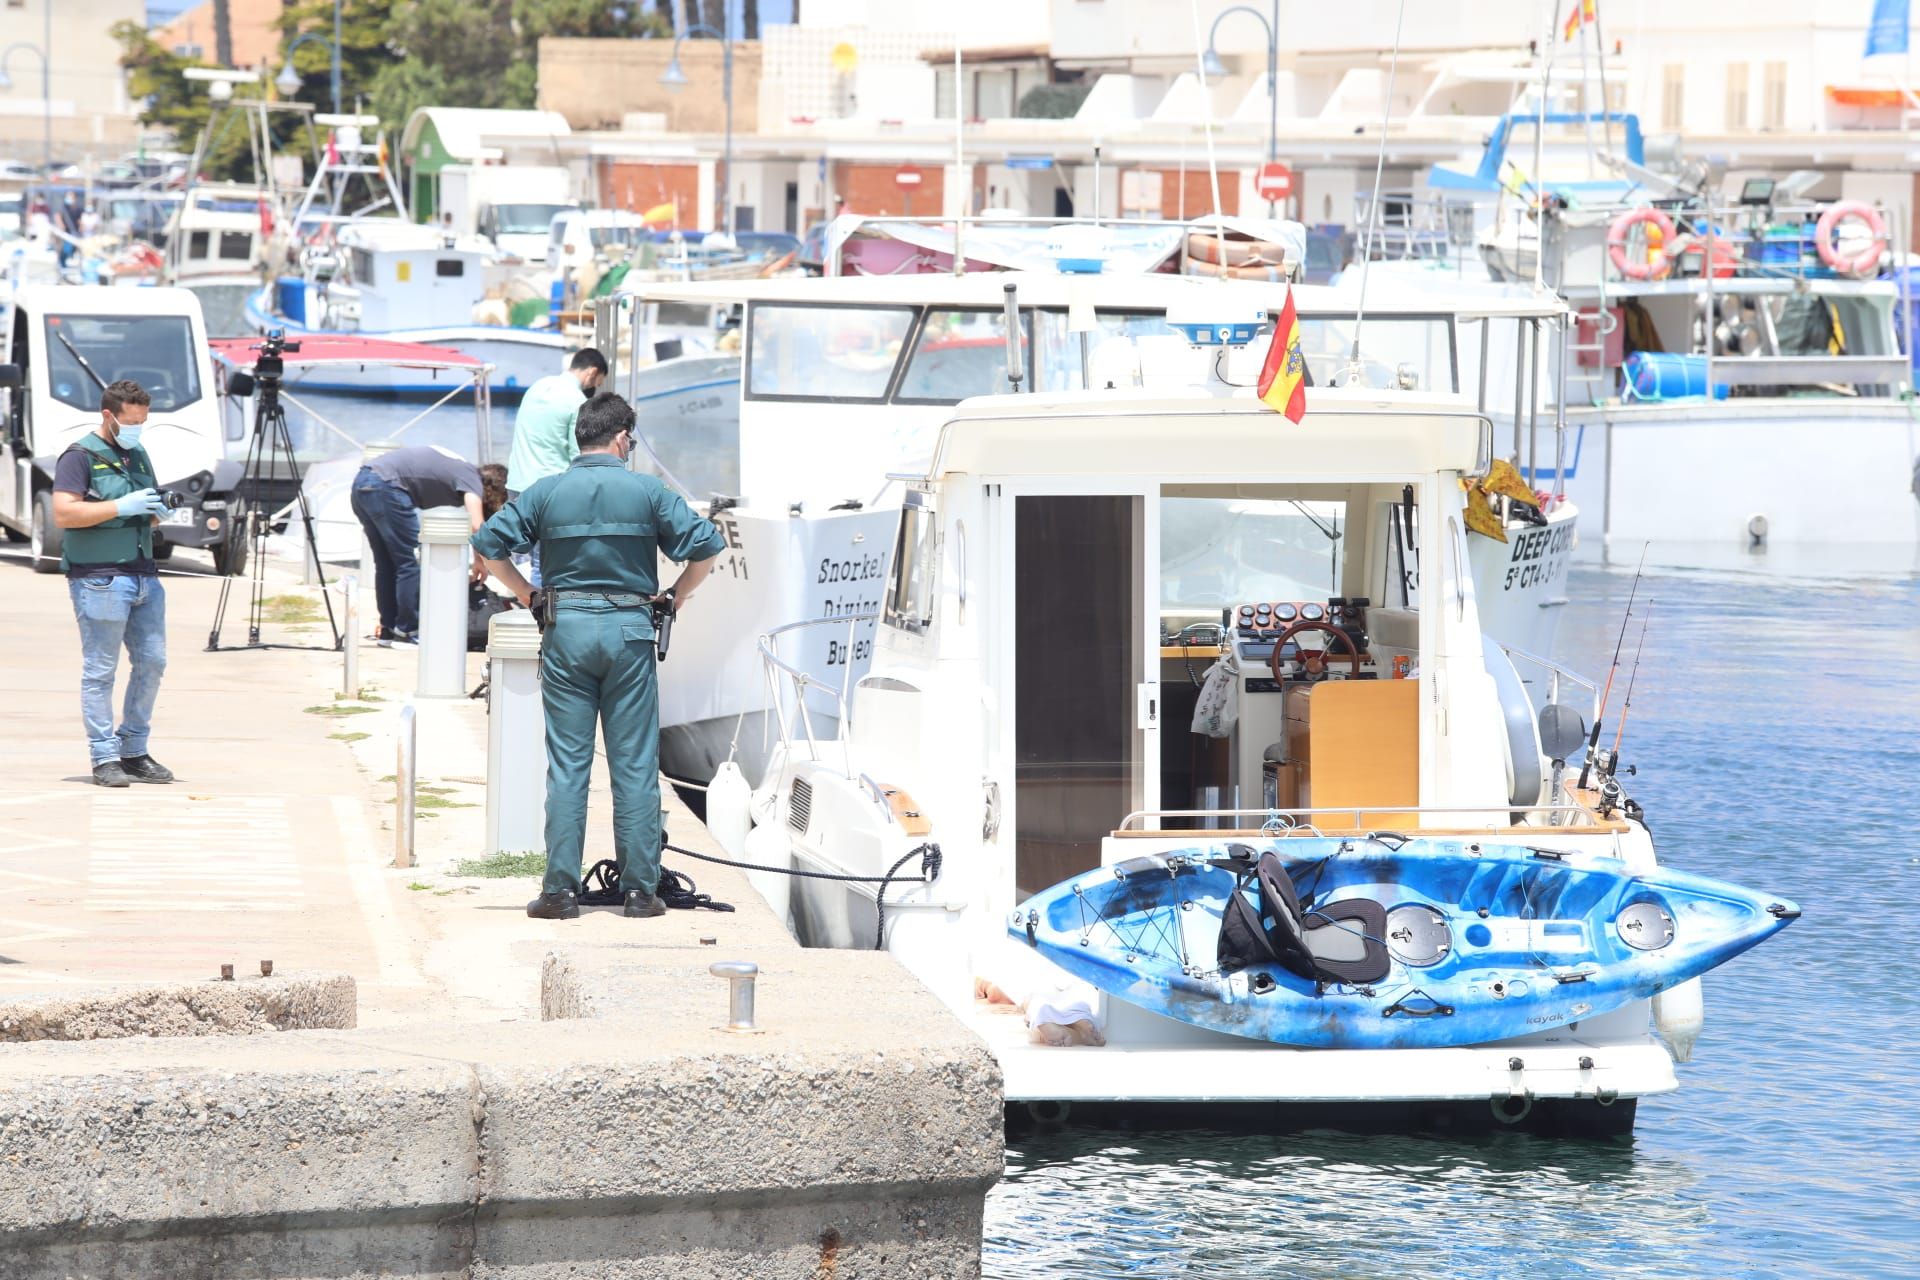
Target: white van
[64, 343]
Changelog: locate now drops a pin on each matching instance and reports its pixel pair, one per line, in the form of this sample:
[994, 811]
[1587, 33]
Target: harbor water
[1776, 725]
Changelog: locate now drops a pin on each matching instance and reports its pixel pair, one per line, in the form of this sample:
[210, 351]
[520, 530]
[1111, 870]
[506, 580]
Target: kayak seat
[1339, 942]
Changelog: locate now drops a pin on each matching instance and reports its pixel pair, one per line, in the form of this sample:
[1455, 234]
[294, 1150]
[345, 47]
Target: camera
[269, 364]
[173, 498]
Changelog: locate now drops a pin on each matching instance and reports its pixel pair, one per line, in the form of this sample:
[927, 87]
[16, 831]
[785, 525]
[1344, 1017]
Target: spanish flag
[1582, 13]
[1283, 378]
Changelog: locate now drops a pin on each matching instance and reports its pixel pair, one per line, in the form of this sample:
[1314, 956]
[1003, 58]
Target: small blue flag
[1887, 33]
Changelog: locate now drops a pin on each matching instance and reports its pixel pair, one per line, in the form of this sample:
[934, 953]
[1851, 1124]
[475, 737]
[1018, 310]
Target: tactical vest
[122, 539]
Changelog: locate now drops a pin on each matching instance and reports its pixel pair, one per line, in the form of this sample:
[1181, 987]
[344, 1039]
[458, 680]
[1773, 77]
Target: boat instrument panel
[1257, 627]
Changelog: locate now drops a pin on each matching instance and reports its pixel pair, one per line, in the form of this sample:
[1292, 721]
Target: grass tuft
[502, 866]
[349, 737]
[289, 609]
[339, 711]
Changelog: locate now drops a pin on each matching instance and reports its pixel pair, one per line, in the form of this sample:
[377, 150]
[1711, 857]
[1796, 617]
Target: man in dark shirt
[388, 494]
[105, 500]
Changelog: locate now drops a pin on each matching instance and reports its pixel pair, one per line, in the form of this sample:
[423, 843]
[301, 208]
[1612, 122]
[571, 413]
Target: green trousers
[597, 666]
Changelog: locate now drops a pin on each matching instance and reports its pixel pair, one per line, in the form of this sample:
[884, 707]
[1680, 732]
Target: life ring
[1659, 257]
[1867, 260]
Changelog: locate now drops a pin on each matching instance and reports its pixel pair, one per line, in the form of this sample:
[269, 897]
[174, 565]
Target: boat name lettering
[859, 569]
[846, 607]
[731, 531]
[838, 651]
[1538, 557]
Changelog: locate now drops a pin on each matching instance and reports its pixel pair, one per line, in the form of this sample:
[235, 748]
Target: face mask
[587, 393]
[127, 434]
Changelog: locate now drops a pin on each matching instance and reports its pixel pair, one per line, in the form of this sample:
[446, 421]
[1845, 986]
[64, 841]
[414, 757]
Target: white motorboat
[849, 380]
[1027, 718]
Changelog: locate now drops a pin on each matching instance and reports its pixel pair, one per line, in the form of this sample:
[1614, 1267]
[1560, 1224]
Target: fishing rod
[1620, 730]
[1593, 739]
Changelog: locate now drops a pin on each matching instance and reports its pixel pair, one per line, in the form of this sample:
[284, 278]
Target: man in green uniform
[104, 498]
[601, 530]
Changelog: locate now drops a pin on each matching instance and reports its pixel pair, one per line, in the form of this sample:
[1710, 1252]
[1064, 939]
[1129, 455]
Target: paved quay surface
[275, 842]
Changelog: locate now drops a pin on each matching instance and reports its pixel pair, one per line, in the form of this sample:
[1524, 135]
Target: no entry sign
[908, 177]
[1274, 182]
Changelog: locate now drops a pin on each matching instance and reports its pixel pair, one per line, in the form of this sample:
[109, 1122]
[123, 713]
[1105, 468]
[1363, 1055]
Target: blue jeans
[393, 532]
[112, 612]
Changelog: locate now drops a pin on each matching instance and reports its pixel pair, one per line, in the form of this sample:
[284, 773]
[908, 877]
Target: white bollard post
[516, 736]
[444, 561]
[350, 636]
[405, 764]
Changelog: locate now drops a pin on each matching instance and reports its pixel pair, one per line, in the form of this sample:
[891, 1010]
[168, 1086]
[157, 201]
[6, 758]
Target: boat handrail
[1290, 819]
[786, 702]
[1557, 673]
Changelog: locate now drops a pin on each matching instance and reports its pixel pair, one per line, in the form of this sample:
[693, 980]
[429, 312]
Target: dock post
[405, 765]
[516, 736]
[444, 560]
[350, 636]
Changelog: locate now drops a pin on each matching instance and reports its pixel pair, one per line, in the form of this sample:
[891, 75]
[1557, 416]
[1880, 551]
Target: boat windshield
[158, 352]
[624, 237]
[801, 352]
[526, 219]
[1218, 551]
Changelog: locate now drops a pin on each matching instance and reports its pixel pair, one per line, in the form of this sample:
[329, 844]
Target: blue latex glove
[147, 502]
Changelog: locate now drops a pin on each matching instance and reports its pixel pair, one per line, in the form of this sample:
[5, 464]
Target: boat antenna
[1373, 211]
[1593, 739]
[1620, 730]
[1206, 119]
[1539, 150]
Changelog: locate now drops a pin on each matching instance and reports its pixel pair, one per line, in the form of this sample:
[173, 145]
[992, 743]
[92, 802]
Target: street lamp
[1212, 66]
[674, 79]
[288, 81]
[46, 89]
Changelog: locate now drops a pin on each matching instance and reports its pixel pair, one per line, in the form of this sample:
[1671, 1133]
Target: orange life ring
[1659, 258]
[1867, 260]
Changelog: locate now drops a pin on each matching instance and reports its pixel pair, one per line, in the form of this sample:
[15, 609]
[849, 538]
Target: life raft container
[1660, 256]
[1867, 260]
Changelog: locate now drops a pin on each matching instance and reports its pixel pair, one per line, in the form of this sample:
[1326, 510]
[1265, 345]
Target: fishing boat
[396, 281]
[1059, 718]
[848, 382]
[1721, 343]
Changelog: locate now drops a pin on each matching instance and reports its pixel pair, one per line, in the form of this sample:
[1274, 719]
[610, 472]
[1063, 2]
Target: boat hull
[1548, 953]
[520, 357]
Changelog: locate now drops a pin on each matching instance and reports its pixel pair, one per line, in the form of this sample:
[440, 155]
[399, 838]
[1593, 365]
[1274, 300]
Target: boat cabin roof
[1349, 435]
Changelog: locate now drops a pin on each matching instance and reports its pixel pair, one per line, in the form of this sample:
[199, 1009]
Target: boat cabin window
[798, 352]
[361, 264]
[86, 352]
[1216, 553]
[236, 246]
[910, 594]
[198, 244]
[449, 268]
[961, 354]
[1393, 349]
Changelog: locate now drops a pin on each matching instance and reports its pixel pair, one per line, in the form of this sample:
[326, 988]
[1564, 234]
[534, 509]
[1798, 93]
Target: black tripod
[270, 447]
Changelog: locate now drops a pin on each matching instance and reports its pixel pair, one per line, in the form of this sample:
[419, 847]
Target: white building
[85, 107]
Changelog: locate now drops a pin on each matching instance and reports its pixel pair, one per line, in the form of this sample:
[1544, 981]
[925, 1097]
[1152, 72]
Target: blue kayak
[1388, 942]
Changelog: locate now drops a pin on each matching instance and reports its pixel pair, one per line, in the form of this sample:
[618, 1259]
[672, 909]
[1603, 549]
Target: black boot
[110, 774]
[145, 769]
[555, 906]
[643, 906]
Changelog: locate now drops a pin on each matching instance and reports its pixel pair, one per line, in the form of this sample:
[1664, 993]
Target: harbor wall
[855, 1135]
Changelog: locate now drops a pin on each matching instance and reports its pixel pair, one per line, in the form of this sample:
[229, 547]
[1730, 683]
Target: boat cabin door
[1082, 641]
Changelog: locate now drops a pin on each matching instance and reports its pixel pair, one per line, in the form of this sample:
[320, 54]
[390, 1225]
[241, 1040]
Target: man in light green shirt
[543, 443]
[543, 426]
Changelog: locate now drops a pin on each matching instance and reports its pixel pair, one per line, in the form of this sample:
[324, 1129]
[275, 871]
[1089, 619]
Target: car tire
[230, 553]
[46, 538]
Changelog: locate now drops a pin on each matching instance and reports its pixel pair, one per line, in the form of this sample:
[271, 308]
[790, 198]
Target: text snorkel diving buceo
[601, 529]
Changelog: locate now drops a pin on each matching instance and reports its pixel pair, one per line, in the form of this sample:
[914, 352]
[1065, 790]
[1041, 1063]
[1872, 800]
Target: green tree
[364, 48]
[156, 79]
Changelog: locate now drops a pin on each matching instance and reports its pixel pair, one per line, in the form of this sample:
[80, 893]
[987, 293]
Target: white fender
[1678, 1014]
[768, 846]
[729, 801]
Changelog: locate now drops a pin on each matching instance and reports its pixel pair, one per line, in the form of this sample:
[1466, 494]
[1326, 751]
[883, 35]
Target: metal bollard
[405, 753]
[739, 975]
[516, 736]
[444, 560]
[350, 636]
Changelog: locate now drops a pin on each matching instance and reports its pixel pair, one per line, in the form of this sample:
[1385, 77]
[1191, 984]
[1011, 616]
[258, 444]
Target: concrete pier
[479, 1094]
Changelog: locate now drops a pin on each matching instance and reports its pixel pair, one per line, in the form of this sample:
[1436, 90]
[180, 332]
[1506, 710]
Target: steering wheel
[1313, 662]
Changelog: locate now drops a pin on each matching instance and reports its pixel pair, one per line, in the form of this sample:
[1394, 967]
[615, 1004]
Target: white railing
[789, 687]
[1367, 817]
